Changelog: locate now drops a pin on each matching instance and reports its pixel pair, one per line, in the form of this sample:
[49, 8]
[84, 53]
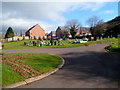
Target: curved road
[85, 67]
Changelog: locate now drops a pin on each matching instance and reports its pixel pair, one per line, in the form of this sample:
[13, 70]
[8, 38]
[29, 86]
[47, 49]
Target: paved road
[85, 67]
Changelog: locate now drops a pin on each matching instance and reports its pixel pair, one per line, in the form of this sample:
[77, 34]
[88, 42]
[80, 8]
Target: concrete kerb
[30, 80]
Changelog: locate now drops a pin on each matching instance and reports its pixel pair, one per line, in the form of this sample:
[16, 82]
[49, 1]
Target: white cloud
[60, 0]
[40, 10]
[23, 15]
[91, 5]
[23, 24]
[109, 11]
[36, 10]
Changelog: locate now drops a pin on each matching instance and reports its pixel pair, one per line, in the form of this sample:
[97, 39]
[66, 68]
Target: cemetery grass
[114, 47]
[18, 66]
[66, 44]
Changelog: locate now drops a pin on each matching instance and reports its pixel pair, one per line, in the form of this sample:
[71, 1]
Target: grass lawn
[42, 62]
[19, 66]
[114, 47]
[67, 43]
[0, 75]
[9, 76]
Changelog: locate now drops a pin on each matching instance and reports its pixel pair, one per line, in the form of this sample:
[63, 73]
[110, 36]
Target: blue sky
[50, 15]
[107, 12]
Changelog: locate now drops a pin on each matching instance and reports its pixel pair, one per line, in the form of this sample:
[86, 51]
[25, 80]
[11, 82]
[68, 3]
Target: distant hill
[115, 21]
[113, 27]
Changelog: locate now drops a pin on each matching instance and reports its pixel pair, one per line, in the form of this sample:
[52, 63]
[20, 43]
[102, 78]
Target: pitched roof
[59, 27]
[33, 27]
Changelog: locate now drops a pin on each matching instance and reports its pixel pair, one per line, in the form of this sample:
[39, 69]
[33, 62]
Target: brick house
[35, 32]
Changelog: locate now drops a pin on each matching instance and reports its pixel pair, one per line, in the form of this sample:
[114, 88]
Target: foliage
[113, 27]
[73, 25]
[73, 32]
[114, 30]
[9, 33]
[96, 26]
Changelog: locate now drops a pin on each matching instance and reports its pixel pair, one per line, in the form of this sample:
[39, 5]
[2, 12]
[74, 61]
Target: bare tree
[72, 26]
[65, 32]
[96, 26]
[101, 28]
[93, 21]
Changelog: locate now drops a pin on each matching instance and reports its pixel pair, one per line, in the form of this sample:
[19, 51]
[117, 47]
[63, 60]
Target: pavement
[85, 67]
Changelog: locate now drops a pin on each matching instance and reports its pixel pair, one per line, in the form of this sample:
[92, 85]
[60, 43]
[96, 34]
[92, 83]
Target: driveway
[85, 67]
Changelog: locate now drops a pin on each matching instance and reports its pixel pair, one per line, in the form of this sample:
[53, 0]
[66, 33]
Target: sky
[50, 15]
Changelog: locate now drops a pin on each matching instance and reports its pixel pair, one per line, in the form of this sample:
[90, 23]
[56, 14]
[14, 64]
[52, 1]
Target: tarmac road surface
[85, 67]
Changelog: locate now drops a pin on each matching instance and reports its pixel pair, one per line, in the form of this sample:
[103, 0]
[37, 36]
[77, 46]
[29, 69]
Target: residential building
[35, 32]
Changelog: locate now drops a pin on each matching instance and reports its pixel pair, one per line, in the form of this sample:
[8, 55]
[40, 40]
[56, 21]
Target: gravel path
[85, 67]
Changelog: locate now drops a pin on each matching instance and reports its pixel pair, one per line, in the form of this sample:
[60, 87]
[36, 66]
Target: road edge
[33, 79]
[110, 51]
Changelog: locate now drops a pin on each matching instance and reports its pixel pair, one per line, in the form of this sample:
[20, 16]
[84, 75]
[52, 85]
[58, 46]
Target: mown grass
[0, 75]
[38, 61]
[9, 76]
[67, 44]
[42, 62]
[104, 41]
[114, 47]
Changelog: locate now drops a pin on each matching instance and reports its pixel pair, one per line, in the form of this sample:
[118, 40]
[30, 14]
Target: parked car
[84, 39]
[79, 41]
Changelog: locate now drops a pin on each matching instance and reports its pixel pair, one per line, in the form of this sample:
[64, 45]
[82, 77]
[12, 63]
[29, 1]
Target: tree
[72, 26]
[93, 22]
[113, 31]
[9, 33]
[97, 26]
[65, 32]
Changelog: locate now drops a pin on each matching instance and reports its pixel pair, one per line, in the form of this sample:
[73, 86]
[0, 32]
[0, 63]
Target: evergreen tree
[73, 25]
[73, 32]
[9, 33]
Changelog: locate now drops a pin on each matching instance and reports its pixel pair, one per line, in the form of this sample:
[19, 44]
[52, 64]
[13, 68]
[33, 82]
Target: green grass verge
[42, 62]
[0, 75]
[114, 47]
[9, 76]
[67, 43]
[38, 61]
